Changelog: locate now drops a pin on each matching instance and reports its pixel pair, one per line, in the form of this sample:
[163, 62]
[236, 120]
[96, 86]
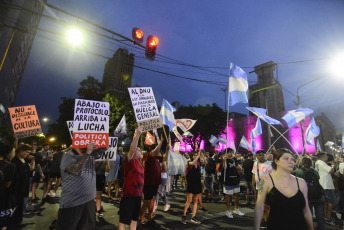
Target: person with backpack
[209, 173]
[315, 191]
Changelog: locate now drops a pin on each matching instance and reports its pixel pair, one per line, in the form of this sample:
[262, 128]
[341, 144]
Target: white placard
[111, 151]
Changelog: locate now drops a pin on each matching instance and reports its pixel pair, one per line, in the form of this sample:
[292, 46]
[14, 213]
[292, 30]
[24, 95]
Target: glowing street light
[74, 36]
[52, 139]
[336, 66]
[45, 119]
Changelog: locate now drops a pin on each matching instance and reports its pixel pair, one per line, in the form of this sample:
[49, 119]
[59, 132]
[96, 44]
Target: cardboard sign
[70, 128]
[145, 108]
[111, 151]
[25, 121]
[91, 123]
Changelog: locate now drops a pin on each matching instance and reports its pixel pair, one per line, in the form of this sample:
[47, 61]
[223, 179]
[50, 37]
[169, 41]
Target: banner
[185, 124]
[91, 123]
[70, 128]
[111, 151]
[25, 121]
[175, 131]
[145, 108]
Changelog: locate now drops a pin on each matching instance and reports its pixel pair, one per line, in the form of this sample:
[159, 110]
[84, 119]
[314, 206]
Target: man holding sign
[77, 206]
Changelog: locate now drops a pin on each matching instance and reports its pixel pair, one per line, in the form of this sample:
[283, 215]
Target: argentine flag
[237, 85]
[343, 141]
[233, 146]
[166, 114]
[261, 113]
[295, 116]
[312, 132]
[244, 143]
[318, 146]
[222, 140]
[213, 140]
[257, 130]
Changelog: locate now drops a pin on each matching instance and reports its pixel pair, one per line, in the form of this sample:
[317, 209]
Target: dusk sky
[196, 32]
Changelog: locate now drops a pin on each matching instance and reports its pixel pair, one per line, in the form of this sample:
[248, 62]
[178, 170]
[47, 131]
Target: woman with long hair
[286, 194]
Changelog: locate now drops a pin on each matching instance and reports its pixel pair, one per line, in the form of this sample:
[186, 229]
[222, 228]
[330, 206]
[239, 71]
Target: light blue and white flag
[312, 132]
[244, 143]
[222, 140]
[318, 145]
[233, 145]
[343, 140]
[257, 129]
[213, 140]
[121, 129]
[261, 113]
[295, 116]
[253, 145]
[166, 114]
[238, 85]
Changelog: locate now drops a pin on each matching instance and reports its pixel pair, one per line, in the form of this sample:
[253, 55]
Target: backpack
[315, 190]
[210, 167]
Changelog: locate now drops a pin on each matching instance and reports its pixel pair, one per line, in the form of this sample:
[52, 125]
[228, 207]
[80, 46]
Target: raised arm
[167, 152]
[158, 147]
[76, 168]
[194, 162]
[134, 143]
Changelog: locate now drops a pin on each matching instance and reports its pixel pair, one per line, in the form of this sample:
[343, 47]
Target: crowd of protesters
[283, 186]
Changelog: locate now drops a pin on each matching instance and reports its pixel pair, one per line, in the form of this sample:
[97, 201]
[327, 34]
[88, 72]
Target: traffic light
[137, 35]
[151, 45]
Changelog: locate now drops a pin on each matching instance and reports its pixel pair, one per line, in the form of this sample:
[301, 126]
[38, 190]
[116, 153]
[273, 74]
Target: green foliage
[91, 89]
[6, 134]
[118, 107]
[211, 120]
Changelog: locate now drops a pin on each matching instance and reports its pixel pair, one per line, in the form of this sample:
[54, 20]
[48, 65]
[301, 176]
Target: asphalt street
[44, 213]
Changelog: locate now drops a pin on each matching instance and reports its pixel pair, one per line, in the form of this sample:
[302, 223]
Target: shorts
[231, 190]
[329, 196]
[129, 209]
[37, 177]
[209, 183]
[78, 217]
[248, 184]
[53, 175]
[100, 182]
[149, 192]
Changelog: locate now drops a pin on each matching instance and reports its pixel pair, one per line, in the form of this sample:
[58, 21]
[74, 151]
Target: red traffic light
[137, 35]
[151, 45]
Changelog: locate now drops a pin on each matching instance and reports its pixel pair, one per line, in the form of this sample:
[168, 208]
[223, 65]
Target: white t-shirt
[325, 176]
[263, 169]
[341, 168]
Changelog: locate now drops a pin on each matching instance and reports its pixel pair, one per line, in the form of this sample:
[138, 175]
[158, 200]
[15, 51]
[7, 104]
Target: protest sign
[111, 151]
[91, 123]
[70, 128]
[145, 108]
[25, 121]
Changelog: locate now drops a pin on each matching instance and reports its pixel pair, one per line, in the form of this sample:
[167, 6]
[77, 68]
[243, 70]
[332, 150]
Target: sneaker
[167, 207]
[99, 214]
[53, 225]
[184, 219]
[238, 212]
[330, 222]
[26, 212]
[229, 214]
[203, 209]
[195, 220]
[49, 193]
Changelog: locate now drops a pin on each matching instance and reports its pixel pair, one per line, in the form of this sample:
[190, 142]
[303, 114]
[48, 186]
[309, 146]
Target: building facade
[19, 21]
[272, 98]
[118, 71]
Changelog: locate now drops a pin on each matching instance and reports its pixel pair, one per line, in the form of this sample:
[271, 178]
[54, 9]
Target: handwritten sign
[111, 151]
[25, 121]
[145, 108]
[70, 128]
[91, 123]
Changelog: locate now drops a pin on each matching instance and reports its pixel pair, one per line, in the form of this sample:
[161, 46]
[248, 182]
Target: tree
[211, 120]
[118, 107]
[91, 89]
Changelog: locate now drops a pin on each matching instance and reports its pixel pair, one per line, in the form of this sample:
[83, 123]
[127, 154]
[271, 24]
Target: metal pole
[7, 48]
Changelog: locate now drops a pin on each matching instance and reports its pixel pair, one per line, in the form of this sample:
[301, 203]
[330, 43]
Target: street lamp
[52, 139]
[45, 119]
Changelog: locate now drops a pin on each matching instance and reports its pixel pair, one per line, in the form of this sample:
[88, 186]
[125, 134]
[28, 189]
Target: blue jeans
[319, 208]
[163, 194]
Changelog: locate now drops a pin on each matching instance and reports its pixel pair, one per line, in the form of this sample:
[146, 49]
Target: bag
[315, 190]
[210, 167]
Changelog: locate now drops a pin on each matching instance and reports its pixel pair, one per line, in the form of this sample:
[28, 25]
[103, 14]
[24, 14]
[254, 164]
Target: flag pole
[276, 140]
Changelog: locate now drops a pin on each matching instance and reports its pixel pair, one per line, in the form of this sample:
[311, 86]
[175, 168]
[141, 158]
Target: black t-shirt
[55, 166]
[21, 178]
[247, 166]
